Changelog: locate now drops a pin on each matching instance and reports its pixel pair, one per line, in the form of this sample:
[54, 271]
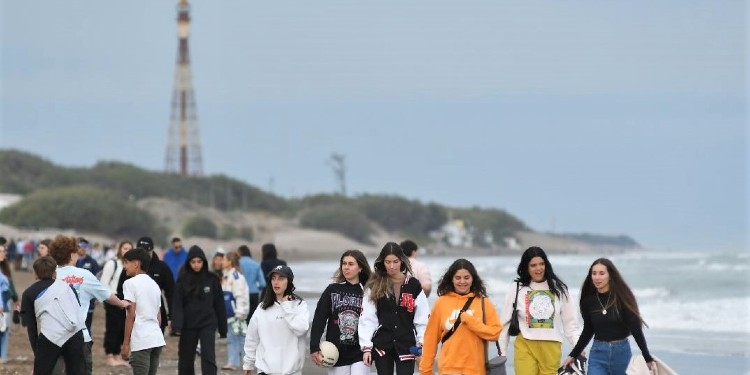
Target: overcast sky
[600, 116]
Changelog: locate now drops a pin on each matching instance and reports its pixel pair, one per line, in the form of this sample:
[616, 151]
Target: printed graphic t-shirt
[87, 287]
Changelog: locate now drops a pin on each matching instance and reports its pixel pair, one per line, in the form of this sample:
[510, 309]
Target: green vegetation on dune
[23, 173]
[101, 199]
[496, 222]
[340, 218]
[85, 208]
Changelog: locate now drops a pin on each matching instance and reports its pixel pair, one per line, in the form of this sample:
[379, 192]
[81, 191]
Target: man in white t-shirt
[64, 250]
[143, 337]
[421, 271]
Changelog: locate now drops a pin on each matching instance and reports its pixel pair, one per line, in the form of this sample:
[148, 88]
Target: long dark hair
[364, 274]
[556, 285]
[120, 246]
[378, 283]
[244, 251]
[269, 297]
[446, 282]
[268, 251]
[621, 294]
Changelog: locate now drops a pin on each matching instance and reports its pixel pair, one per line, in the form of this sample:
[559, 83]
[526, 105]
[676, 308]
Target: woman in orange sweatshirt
[463, 352]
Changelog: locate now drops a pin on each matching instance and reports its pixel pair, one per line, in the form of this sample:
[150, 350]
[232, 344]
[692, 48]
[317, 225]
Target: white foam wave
[716, 315]
[651, 293]
[577, 261]
[723, 267]
[638, 255]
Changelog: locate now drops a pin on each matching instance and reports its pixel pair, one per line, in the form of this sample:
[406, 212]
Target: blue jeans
[5, 336]
[609, 358]
[235, 349]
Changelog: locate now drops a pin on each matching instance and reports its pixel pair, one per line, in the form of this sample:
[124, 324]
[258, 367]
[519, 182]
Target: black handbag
[496, 364]
[514, 329]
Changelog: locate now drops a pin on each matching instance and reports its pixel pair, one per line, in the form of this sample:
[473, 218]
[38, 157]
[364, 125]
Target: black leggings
[384, 365]
[114, 328]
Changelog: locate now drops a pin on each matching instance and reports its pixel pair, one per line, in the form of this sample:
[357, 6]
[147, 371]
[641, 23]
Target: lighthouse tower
[183, 144]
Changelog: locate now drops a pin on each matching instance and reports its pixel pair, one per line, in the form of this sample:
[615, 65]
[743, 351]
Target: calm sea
[697, 305]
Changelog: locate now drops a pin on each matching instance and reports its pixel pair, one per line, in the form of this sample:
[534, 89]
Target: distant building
[455, 233]
[512, 243]
[8, 199]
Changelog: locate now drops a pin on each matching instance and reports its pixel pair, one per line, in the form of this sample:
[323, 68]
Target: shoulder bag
[494, 365]
[514, 329]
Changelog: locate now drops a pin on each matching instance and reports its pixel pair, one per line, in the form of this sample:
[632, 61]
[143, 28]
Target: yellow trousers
[536, 357]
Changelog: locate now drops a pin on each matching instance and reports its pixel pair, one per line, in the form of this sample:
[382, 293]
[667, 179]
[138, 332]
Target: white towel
[638, 366]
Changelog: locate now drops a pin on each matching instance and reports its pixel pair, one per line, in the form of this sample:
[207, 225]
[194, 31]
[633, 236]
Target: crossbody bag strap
[497, 344]
[515, 300]
[448, 334]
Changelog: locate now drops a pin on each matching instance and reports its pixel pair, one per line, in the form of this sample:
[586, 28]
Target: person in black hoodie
[339, 308]
[198, 312]
[162, 274]
[270, 259]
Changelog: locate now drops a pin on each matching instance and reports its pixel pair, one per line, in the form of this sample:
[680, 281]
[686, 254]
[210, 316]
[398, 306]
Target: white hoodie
[57, 311]
[275, 342]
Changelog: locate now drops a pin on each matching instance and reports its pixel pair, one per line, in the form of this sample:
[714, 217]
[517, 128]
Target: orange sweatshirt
[462, 353]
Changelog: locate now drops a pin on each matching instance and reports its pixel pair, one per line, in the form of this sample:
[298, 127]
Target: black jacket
[199, 299]
[397, 328]
[28, 312]
[160, 272]
[340, 305]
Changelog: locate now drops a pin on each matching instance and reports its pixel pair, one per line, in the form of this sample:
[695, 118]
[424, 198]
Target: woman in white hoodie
[275, 342]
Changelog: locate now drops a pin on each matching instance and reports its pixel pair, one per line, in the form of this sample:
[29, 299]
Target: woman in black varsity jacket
[339, 307]
[394, 314]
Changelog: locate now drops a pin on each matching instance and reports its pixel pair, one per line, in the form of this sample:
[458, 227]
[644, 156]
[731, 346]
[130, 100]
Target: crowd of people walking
[378, 318]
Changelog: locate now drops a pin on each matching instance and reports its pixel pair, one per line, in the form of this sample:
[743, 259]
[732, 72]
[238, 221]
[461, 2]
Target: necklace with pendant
[604, 310]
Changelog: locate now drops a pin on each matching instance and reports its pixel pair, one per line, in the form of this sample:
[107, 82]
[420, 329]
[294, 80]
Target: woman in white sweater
[114, 318]
[545, 315]
[237, 303]
[275, 342]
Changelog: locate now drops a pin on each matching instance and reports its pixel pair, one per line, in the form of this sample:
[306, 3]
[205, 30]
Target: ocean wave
[722, 267]
[714, 315]
[655, 255]
[651, 292]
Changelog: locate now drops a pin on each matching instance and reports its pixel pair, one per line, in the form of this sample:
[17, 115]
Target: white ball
[329, 354]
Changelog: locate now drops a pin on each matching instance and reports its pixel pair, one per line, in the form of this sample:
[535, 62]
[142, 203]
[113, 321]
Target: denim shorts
[609, 357]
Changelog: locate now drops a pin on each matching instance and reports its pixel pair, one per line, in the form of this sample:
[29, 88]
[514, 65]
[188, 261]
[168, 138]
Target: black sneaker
[565, 371]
